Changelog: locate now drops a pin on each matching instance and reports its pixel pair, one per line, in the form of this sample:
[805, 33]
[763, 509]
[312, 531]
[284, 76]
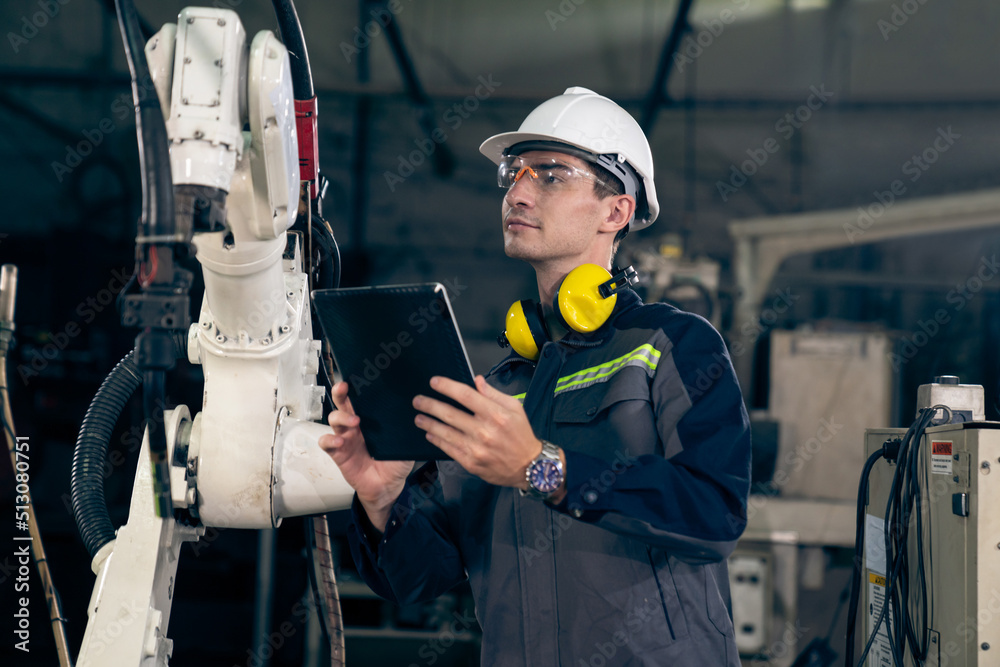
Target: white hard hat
[597, 126]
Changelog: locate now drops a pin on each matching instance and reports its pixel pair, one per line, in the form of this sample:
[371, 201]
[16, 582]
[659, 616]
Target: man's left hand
[496, 443]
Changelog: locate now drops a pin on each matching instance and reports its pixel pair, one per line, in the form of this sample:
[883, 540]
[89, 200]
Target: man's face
[551, 212]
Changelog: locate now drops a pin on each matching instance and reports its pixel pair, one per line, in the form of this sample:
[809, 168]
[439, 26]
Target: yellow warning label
[876, 579]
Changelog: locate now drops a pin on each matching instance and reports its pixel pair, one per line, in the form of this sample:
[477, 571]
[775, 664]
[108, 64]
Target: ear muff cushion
[525, 329]
[579, 300]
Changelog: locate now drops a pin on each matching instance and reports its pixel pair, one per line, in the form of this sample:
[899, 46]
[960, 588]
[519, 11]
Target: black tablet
[387, 343]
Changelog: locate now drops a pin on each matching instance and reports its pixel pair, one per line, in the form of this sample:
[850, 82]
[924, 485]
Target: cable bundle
[904, 505]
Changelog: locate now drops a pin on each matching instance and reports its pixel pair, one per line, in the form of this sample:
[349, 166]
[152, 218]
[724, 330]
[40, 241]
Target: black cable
[898, 454]
[120, 300]
[290, 30]
[158, 230]
[903, 499]
[329, 243]
[901, 504]
[91, 452]
[923, 645]
[154, 156]
[896, 531]
[859, 540]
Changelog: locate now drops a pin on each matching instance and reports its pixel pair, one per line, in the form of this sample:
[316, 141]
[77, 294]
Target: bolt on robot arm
[250, 457]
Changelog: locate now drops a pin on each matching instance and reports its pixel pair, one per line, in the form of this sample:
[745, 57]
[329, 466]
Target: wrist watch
[545, 474]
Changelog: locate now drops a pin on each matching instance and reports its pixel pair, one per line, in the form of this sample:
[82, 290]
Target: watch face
[546, 476]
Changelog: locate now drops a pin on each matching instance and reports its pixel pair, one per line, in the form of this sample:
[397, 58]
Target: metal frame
[762, 244]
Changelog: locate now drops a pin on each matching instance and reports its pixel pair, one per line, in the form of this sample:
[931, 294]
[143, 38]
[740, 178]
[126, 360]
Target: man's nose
[520, 194]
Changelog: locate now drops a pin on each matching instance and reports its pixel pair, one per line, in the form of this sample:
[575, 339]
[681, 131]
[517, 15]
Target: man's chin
[517, 251]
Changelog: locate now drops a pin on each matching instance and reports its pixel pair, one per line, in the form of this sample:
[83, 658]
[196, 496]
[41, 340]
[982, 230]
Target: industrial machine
[249, 458]
[928, 543]
[691, 284]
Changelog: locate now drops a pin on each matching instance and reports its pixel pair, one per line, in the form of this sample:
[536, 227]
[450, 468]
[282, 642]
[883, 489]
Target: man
[592, 520]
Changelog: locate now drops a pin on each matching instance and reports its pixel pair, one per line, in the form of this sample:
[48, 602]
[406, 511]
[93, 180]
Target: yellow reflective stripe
[520, 397]
[643, 355]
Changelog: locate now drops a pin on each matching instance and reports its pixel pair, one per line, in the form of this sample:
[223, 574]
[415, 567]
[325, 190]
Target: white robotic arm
[250, 457]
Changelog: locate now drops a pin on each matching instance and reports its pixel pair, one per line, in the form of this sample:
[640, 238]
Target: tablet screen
[387, 343]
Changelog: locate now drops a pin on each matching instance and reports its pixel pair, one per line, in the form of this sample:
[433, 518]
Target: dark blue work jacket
[630, 568]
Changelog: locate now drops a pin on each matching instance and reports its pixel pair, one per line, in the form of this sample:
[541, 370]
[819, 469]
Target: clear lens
[548, 174]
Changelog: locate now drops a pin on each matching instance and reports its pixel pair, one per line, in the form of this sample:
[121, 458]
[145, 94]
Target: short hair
[609, 185]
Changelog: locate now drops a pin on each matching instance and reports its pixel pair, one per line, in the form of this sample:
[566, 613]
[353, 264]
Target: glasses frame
[531, 166]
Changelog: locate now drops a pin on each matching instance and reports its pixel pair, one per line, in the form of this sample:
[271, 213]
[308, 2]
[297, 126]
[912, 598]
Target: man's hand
[496, 443]
[378, 483]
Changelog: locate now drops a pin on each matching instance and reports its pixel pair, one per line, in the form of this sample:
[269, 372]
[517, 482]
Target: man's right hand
[377, 483]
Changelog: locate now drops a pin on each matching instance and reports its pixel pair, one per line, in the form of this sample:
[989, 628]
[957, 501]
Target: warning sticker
[880, 654]
[875, 544]
[941, 457]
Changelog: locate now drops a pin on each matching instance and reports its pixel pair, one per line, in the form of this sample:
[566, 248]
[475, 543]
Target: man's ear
[620, 209]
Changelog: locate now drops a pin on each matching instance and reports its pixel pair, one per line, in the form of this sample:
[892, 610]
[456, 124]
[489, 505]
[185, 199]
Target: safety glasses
[547, 174]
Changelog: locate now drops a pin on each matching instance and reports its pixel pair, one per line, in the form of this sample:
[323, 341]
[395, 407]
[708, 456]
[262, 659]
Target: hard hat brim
[495, 147]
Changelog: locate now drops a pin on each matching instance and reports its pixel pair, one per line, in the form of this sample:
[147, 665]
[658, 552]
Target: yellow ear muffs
[579, 300]
[585, 300]
[525, 331]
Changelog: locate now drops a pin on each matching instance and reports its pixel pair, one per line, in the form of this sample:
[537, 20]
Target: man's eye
[552, 176]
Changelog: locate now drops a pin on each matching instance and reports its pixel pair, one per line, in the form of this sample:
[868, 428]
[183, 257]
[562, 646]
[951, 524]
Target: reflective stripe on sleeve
[645, 356]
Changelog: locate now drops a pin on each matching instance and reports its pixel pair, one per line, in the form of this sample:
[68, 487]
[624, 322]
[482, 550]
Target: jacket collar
[627, 300]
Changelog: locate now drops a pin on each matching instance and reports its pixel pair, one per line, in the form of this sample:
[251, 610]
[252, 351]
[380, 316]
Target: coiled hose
[87, 477]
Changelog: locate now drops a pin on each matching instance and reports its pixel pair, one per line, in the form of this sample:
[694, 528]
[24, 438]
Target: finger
[330, 443]
[340, 399]
[448, 445]
[341, 419]
[494, 394]
[463, 394]
[449, 414]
